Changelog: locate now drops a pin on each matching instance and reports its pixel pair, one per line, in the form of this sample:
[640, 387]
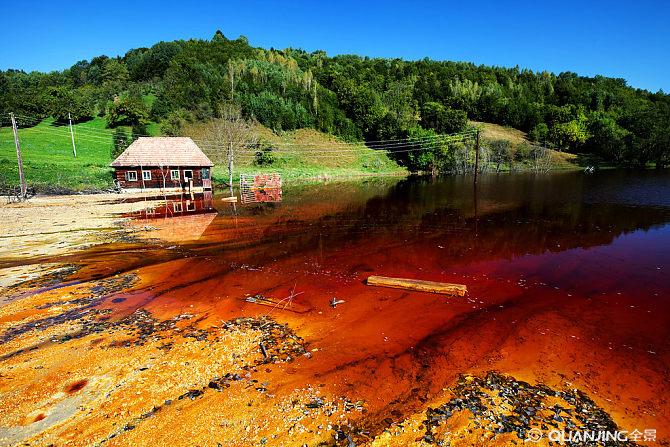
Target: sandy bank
[48, 226]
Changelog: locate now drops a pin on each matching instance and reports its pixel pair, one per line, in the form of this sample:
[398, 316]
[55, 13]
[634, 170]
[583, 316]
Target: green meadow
[51, 167]
[48, 160]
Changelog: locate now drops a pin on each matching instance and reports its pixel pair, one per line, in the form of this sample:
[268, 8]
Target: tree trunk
[230, 166]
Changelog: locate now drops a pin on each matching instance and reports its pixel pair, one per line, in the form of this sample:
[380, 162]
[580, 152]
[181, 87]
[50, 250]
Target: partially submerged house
[163, 162]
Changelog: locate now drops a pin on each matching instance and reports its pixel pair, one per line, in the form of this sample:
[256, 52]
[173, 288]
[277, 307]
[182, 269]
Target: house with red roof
[163, 162]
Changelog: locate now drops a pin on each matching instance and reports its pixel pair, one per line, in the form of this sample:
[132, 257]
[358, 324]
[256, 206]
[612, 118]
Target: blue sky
[627, 39]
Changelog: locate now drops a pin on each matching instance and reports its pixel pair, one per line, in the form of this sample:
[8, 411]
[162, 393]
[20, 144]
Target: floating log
[419, 285]
[230, 199]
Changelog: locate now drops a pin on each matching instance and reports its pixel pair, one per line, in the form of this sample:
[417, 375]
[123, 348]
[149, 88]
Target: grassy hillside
[491, 132]
[298, 154]
[50, 165]
[48, 159]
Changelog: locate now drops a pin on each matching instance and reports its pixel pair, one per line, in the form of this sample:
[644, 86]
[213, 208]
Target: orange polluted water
[567, 278]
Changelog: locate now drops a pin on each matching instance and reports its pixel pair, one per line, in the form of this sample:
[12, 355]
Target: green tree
[569, 135]
[114, 71]
[606, 137]
[400, 104]
[139, 130]
[152, 63]
[539, 133]
[501, 151]
[175, 121]
[126, 111]
[465, 94]
[276, 112]
[78, 104]
[649, 140]
[443, 119]
[426, 152]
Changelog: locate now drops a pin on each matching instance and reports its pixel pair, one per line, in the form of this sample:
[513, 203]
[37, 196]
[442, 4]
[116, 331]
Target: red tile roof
[162, 151]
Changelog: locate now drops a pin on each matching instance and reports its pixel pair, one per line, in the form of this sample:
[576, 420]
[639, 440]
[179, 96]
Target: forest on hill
[183, 82]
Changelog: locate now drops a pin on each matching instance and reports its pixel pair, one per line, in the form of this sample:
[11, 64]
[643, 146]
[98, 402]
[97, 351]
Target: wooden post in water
[475, 184]
[476, 155]
[22, 178]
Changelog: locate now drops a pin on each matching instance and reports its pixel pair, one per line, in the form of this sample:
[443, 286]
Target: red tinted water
[567, 276]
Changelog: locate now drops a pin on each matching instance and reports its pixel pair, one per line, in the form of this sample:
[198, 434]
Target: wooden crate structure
[260, 188]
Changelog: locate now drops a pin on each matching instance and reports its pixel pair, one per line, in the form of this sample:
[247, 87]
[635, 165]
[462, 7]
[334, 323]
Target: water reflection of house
[174, 205]
[173, 163]
[178, 228]
[177, 218]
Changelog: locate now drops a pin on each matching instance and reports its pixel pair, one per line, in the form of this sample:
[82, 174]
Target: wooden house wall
[157, 177]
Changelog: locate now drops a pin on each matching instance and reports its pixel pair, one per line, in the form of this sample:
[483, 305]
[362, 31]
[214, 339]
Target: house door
[206, 180]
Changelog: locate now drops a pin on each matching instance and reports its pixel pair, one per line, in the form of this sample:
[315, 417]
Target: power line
[361, 142]
[100, 133]
[328, 149]
[422, 145]
[389, 149]
[97, 140]
[316, 153]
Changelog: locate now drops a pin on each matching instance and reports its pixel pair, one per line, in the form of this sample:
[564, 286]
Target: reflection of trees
[518, 215]
[523, 231]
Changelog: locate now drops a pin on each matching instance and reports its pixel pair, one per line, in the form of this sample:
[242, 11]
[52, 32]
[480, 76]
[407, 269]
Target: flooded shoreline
[568, 289]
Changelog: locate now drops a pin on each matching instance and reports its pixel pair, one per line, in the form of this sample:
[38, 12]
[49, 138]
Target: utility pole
[476, 155]
[22, 178]
[475, 185]
[74, 148]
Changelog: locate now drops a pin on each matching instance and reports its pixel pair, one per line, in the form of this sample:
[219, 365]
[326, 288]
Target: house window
[204, 172]
[146, 175]
[190, 206]
[174, 174]
[176, 206]
[131, 176]
[188, 174]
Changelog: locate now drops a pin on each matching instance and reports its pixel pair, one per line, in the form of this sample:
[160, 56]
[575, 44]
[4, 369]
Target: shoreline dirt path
[49, 226]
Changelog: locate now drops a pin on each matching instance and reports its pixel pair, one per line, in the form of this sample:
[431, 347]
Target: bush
[264, 155]
[523, 152]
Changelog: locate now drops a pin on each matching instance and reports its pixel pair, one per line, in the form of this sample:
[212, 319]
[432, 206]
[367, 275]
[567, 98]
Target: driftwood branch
[418, 285]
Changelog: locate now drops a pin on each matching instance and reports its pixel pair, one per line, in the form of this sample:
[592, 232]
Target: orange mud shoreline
[157, 339]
